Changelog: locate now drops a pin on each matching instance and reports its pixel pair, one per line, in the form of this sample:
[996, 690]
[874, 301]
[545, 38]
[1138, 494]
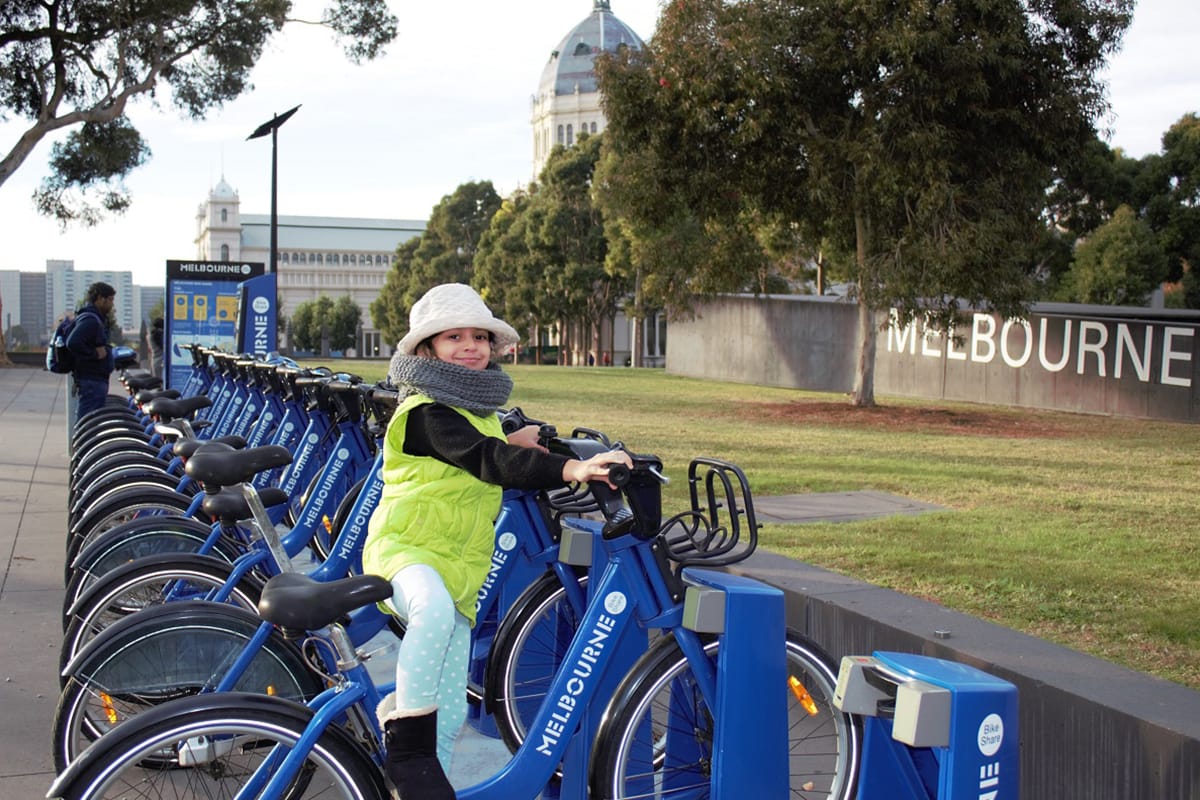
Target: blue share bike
[621, 719]
[188, 640]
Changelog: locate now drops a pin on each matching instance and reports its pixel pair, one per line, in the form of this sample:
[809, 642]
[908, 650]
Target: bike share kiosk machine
[931, 728]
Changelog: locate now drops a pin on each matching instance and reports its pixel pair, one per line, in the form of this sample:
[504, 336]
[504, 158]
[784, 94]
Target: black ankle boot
[411, 761]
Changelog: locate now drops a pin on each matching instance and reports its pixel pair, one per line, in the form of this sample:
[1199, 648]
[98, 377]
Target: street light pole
[272, 128]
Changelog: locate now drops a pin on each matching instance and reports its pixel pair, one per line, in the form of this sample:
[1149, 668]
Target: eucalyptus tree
[571, 234]
[510, 264]
[77, 65]
[443, 253]
[1120, 263]
[919, 138]
[325, 320]
[388, 311]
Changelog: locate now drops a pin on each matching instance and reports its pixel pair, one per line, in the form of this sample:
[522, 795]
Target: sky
[449, 103]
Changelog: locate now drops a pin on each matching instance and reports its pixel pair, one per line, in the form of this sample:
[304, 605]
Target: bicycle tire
[123, 507]
[140, 584]
[824, 750]
[246, 727]
[525, 655]
[113, 476]
[130, 442]
[116, 459]
[115, 422]
[124, 544]
[170, 652]
[140, 484]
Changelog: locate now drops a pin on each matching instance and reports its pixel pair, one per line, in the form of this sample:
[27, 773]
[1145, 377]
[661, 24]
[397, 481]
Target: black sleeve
[440, 432]
[84, 337]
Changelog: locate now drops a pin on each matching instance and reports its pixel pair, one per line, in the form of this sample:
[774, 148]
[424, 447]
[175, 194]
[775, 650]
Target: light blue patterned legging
[431, 666]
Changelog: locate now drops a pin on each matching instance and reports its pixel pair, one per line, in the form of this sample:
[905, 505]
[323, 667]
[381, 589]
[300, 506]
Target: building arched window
[283, 257]
[224, 252]
[593, 127]
[224, 215]
[560, 135]
[320, 258]
[570, 135]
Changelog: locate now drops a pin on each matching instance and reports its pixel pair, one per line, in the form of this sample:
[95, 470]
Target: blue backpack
[59, 359]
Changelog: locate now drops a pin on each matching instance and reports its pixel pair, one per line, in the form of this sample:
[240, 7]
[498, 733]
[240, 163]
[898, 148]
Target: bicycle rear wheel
[658, 710]
[213, 744]
[174, 651]
[147, 583]
[142, 538]
[122, 507]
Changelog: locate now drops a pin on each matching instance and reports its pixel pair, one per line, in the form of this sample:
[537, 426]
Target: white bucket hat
[449, 306]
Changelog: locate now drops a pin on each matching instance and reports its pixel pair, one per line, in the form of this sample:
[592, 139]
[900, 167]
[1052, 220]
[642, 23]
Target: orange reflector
[802, 695]
[109, 712]
[328, 523]
[271, 691]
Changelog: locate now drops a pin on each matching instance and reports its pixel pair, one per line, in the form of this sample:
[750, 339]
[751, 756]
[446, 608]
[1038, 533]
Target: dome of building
[570, 68]
[223, 191]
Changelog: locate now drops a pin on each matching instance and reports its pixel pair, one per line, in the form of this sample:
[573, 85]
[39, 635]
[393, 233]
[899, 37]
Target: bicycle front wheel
[656, 739]
[216, 743]
[526, 653]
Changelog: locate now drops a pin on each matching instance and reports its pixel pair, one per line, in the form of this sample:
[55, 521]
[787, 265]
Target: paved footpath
[33, 499]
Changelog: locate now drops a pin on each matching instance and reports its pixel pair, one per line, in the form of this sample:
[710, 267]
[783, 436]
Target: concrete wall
[804, 342]
[1094, 359]
[1089, 729]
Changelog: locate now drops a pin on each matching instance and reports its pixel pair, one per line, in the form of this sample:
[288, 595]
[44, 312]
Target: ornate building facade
[331, 256]
[567, 102]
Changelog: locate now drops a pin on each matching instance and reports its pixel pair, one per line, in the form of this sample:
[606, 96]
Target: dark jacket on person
[89, 332]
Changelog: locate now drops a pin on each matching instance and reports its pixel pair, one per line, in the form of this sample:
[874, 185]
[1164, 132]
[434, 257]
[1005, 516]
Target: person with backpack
[154, 339]
[89, 347]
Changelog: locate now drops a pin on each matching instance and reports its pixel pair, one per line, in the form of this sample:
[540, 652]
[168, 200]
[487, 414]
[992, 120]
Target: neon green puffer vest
[433, 513]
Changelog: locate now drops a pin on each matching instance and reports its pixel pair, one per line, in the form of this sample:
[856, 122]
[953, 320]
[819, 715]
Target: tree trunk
[864, 373]
[864, 369]
[636, 346]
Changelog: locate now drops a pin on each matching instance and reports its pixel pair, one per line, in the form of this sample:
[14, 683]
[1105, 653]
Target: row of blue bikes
[219, 635]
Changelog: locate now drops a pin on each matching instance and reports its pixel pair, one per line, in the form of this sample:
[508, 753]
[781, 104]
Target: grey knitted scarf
[481, 392]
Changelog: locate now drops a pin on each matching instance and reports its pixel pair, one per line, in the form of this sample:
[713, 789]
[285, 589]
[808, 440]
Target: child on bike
[445, 463]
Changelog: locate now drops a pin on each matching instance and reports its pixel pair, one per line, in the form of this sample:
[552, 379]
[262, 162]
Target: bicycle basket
[710, 533]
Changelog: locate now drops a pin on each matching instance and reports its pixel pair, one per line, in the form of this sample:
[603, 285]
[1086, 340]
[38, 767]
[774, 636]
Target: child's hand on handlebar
[596, 467]
[527, 436]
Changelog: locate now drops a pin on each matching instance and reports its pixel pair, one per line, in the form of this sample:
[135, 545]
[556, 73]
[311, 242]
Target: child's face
[467, 347]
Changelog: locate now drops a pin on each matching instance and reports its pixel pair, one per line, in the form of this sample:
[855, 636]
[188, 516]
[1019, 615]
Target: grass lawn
[1078, 529]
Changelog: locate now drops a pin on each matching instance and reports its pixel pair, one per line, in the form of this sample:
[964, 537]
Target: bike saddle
[229, 505]
[146, 395]
[216, 468]
[167, 408]
[296, 602]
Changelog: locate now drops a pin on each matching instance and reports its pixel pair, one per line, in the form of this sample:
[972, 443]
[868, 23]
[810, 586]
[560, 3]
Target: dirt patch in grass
[975, 422]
